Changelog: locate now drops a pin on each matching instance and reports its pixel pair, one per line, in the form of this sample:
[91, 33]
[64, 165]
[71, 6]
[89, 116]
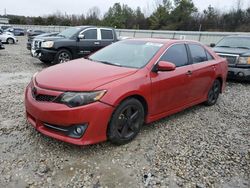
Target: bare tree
[94, 12]
[239, 4]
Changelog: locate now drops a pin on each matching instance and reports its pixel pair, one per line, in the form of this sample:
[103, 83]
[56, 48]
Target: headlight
[74, 99]
[47, 44]
[244, 60]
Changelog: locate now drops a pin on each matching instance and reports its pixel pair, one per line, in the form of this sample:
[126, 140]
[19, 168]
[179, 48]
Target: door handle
[189, 72]
[96, 43]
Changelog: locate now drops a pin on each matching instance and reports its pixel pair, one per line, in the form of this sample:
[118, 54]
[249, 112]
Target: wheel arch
[137, 96]
[11, 39]
[221, 82]
[66, 48]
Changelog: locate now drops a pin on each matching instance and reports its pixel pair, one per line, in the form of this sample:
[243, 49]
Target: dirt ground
[199, 147]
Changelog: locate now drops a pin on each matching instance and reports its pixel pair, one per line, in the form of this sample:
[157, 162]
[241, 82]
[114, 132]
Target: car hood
[46, 38]
[80, 75]
[8, 33]
[5, 36]
[237, 51]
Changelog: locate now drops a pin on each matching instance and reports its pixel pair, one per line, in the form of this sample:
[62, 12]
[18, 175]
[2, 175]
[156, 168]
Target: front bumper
[239, 73]
[96, 116]
[45, 54]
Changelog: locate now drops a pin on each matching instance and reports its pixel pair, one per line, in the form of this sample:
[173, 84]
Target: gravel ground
[199, 147]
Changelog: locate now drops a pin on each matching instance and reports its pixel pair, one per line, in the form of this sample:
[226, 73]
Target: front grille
[42, 97]
[45, 98]
[36, 44]
[232, 59]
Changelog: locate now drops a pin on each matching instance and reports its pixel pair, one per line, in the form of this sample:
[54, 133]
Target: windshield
[130, 53]
[235, 42]
[68, 33]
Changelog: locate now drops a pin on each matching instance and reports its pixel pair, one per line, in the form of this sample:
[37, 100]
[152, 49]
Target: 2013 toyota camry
[115, 91]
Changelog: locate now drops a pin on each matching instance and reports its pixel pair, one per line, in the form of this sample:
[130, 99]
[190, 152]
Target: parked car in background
[16, 31]
[72, 43]
[1, 45]
[35, 32]
[113, 92]
[4, 27]
[6, 32]
[31, 38]
[237, 51]
[9, 39]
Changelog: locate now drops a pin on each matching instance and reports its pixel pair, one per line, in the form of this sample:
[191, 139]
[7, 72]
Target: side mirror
[81, 36]
[165, 66]
[212, 45]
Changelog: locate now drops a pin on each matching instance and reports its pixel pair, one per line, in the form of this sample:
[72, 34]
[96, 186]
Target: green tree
[38, 21]
[140, 20]
[119, 17]
[181, 16]
[161, 16]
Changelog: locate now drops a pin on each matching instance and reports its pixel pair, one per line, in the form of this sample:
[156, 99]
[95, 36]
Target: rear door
[90, 43]
[107, 36]
[171, 90]
[204, 70]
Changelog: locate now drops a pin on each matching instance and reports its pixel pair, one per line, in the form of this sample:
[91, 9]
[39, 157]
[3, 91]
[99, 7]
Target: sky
[46, 7]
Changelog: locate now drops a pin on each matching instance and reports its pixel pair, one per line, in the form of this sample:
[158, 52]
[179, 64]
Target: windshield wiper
[88, 58]
[224, 46]
[108, 63]
[61, 36]
[242, 47]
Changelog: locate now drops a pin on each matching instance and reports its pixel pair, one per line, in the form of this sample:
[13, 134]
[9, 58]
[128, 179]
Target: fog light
[240, 74]
[77, 131]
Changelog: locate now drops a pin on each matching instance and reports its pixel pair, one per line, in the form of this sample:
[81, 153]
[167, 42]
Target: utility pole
[200, 27]
[5, 12]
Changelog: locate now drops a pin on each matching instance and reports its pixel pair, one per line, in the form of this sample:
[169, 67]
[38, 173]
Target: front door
[90, 43]
[170, 90]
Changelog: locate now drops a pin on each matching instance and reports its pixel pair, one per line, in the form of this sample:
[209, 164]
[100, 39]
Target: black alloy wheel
[63, 56]
[126, 122]
[213, 93]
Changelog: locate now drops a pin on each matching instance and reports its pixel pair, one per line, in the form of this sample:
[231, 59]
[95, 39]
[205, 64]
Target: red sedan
[115, 91]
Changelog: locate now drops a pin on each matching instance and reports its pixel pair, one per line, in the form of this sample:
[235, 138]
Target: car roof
[240, 36]
[90, 26]
[163, 40]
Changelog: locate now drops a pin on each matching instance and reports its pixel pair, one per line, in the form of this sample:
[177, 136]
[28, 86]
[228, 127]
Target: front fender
[137, 84]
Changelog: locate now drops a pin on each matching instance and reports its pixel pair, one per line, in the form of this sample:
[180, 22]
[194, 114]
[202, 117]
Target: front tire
[213, 93]
[10, 41]
[63, 56]
[126, 122]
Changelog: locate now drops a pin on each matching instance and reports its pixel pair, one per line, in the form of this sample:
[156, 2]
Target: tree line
[167, 15]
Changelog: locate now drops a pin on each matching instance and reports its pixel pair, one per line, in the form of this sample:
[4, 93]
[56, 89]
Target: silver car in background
[8, 38]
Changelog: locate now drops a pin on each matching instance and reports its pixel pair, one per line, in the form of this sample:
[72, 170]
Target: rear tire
[63, 56]
[126, 122]
[213, 93]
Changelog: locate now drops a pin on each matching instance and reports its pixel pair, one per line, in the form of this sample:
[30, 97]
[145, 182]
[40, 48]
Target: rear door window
[198, 53]
[107, 34]
[176, 54]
